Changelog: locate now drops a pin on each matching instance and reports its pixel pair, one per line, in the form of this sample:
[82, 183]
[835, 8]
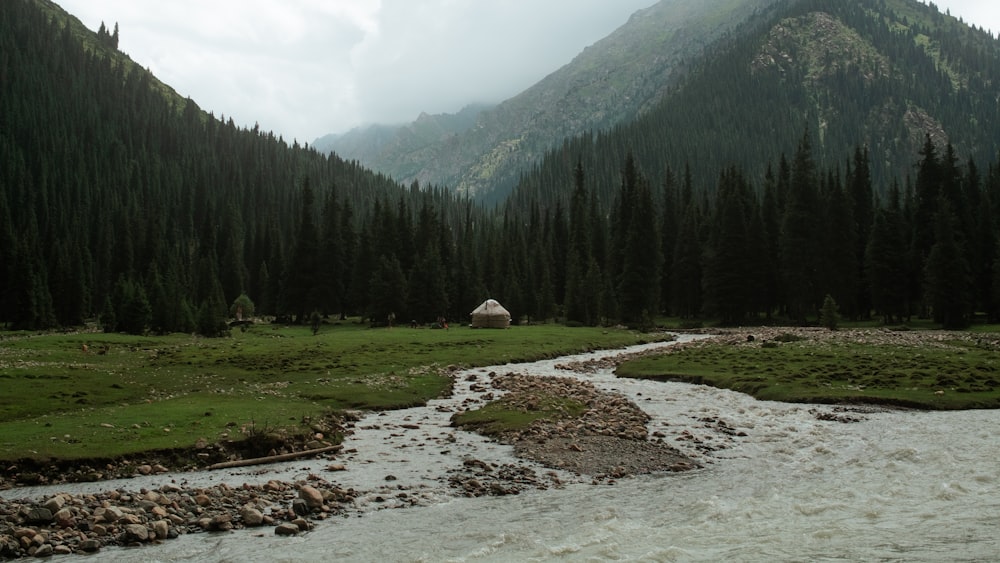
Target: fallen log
[274, 458]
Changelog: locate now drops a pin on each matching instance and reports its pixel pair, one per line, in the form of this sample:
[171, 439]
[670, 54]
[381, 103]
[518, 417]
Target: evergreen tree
[838, 261]
[863, 213]
[639, 282]
[829, 315]
[387, 290]
[578, 303]
[885, 261]
[799, 251]
[726, 262]
[687, 268]
[303, 287]
[946, 273]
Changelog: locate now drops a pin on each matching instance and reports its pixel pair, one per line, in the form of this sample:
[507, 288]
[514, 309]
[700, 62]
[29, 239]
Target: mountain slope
[120, 199]
[878, 74]
[610, 82]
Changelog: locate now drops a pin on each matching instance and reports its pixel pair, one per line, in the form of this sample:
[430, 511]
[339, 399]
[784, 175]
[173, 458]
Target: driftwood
[274, 458]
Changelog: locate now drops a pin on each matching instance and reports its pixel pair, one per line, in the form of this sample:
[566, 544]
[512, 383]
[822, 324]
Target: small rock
[90, 545]
[55, 503]
[286, 529]
[136, 533]
[64, 518]
[162, 529]
[312, 496]
[39, 515]
[302, 524]
[300, 507]
[251, 516]
[222, 523]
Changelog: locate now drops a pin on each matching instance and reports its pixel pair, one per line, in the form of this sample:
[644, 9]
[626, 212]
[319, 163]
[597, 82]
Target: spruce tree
[638, 281]
[885, 261]
[947, 276]
[687, 267]
[799, 249]
[725, 280]
[303, 290]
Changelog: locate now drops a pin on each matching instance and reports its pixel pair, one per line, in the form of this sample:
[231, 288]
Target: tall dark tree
[863, 212]
[799, 251]
[885, 261]
[638, 280]
[948, 280]
[387, 293]
[687, 267]
[580, 302]
[727, 263]
[303, 287]
[838, 267]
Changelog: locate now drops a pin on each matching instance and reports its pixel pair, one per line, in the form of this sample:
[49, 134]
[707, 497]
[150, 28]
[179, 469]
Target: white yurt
[490, 314]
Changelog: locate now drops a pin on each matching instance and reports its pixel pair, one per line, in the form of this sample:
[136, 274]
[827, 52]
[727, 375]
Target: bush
[829, 315]
[788, 337]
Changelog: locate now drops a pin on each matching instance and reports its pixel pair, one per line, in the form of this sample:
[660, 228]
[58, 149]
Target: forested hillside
[123, 203]
[120, 200]
[798, 143]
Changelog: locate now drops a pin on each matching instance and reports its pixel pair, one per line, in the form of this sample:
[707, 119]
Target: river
[778, 483]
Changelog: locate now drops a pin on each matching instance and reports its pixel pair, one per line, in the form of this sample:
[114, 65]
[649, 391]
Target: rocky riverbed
[608, 440]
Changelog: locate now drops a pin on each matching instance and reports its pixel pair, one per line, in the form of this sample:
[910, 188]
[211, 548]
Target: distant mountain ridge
[876, 74]
[609, 83]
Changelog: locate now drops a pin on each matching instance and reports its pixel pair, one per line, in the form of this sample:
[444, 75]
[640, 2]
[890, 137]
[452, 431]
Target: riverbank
[927, 370]
[59, 522]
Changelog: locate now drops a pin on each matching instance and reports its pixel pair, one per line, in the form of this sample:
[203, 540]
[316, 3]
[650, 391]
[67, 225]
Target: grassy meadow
[950, 371]
[90, 394]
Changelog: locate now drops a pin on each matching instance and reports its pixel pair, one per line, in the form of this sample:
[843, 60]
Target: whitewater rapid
[779, 482]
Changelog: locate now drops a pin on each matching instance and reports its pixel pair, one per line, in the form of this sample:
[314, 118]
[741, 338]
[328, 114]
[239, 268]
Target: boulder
[64, 518]
[55, 503]
[90, 546]
[251, 516]
[286, 529]
[300, 507]
[136, 533]
[312, 496]
[162, 529]
[39, 515]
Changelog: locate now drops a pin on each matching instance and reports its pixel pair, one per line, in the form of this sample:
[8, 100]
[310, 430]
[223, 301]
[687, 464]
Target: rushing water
[894, 485]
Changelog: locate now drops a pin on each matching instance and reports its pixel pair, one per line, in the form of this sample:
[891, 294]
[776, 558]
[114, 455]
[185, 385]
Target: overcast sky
[305, 68]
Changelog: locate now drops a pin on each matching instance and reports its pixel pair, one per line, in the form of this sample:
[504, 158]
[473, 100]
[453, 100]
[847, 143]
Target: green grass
[505, 415]
[129, 394]
[957, 374]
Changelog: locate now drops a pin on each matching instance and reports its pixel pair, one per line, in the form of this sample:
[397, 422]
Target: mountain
[879, 74]
[416, 143]
[610, 82]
